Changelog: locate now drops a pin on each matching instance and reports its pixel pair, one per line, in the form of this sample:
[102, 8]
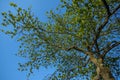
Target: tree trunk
[102, 71]
[105, 73]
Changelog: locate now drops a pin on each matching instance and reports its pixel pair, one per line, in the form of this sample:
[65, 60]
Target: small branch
[96, 44]
[88, 53]
[76, 48]
[99, 30]
[110, 48]
[107, 7]
[54, 32]
[105, 22]
[86, 62]
[116, 9]
[50, 78]
[97, 34]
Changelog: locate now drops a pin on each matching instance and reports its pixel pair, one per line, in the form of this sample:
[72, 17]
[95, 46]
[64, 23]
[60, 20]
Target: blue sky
[9, 47]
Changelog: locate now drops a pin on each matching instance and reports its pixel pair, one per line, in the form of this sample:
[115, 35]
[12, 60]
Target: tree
[83, 41]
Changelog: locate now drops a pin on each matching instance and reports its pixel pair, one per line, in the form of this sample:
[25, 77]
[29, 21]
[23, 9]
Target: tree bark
[101, 70]
[106, 74]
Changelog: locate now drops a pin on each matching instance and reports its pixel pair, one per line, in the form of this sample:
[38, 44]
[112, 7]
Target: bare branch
[116, 9]
[108, 48]
[85, 64]
[76, 48]
[105, 22]
[107, 7]
[99, 30]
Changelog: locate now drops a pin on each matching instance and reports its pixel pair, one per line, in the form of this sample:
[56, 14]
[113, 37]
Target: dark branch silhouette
[107, 7]
[110, 47]
[97, 35]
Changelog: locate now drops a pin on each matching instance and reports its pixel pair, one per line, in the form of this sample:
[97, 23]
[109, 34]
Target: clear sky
[9, 47]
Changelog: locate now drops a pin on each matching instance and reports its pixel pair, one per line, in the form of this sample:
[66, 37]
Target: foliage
[66, 38]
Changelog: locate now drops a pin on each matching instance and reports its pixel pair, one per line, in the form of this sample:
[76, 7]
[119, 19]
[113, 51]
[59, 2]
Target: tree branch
[50, 78]
[107, 7]
[116, 9]
[110, 48]
[100, 28]
[106, 21]
[76, 48]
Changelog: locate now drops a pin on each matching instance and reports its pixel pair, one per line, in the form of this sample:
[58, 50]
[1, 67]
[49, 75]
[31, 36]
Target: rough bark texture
[106, 74]
[101, 70]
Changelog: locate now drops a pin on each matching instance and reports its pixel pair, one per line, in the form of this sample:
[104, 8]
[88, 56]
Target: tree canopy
[81, 39]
